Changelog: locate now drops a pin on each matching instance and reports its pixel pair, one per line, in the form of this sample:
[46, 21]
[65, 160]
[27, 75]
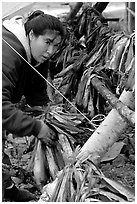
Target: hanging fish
[53, 168]
[82, 24]
[130, 84]
[66, 147]
[39, 169]
[117, 53]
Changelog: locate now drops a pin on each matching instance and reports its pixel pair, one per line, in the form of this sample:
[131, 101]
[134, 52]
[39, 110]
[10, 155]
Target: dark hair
[39, 22]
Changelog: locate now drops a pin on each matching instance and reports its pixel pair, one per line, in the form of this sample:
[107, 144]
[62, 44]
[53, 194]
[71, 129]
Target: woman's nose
[50, 50]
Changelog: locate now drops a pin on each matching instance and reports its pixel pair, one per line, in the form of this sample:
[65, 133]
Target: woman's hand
[47, 135]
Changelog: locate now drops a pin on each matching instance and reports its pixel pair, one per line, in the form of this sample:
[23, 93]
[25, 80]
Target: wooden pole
[131, 17]
[100, 6]
[122, 109]
[74, 11]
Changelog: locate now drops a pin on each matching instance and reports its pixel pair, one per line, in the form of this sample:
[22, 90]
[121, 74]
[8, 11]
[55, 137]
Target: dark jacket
[19, 79]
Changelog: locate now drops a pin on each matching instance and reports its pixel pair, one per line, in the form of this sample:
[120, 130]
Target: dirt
[122, 168]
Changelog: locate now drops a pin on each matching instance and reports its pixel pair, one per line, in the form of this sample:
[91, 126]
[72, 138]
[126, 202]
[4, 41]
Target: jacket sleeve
[13, 119]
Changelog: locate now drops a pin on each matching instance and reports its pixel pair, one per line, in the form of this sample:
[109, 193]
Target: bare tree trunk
[109, 130]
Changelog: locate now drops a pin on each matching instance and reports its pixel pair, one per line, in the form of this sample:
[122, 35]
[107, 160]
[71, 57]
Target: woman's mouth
[44, 58]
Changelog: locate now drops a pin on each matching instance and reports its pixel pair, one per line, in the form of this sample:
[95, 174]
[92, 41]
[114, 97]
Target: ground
[122, 168]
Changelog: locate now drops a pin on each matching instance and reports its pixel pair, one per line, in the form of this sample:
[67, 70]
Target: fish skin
[39, 166]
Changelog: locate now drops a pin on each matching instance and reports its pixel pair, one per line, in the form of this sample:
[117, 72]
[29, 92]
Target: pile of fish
[81, 181]
[93, 49]
[71, 130]
[90, 49]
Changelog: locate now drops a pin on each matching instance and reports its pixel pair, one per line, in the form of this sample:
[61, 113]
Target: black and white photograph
[68, 101]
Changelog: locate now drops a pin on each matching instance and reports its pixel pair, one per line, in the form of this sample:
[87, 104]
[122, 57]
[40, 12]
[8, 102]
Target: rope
[49, 83]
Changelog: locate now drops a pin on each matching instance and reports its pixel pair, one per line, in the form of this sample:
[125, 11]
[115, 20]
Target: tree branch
[122, 109]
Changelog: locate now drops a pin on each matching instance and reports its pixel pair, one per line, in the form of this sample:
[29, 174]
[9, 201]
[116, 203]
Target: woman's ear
[31, 35]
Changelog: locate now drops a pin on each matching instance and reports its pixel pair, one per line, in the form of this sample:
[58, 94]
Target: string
[48, 82]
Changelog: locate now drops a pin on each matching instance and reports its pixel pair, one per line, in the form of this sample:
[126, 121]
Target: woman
[36, 40]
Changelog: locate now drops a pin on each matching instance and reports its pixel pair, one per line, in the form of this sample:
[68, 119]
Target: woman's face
[44, 46]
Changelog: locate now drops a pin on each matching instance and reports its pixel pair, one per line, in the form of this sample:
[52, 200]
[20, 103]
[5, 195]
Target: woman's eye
[47, 42]
[57, 46]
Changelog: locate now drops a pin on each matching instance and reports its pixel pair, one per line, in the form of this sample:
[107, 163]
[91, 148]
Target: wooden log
[109, 130]
[122, 109]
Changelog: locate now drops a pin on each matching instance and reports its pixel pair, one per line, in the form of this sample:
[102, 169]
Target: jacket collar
[16, 26]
